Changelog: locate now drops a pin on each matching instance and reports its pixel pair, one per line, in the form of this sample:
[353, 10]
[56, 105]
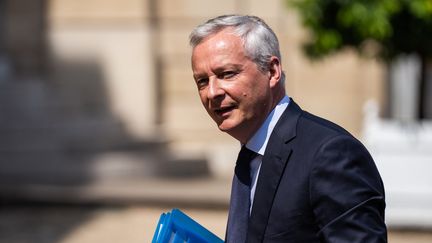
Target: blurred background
[102, 130]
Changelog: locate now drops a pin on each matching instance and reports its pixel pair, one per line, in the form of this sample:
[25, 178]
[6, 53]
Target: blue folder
[177, 227]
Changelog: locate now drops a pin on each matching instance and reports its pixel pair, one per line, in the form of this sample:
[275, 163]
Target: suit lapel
[276, 156]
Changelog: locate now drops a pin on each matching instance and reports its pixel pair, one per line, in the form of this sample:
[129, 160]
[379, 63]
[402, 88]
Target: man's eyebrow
[219, 69]
[228, 66]
[199, 75]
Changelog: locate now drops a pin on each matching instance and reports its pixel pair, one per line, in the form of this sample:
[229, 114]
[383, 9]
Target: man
[309, 180]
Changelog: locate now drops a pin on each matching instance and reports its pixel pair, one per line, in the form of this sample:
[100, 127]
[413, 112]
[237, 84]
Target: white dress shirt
[258, 142]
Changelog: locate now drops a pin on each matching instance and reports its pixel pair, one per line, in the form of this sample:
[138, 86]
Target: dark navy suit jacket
[317, 183]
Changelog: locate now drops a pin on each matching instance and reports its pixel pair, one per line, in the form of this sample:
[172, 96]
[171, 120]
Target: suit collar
[258, 142]
[275, 158]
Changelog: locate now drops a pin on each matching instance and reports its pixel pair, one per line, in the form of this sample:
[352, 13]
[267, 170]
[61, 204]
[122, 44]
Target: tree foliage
[395, 26]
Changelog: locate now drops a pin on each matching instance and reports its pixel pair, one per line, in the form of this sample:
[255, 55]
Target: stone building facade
[107, 74]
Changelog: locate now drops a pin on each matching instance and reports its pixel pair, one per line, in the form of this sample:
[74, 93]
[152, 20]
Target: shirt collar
[259, 140]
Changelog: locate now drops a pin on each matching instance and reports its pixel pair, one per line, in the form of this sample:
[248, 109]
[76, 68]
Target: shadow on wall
[41, 223]
[57, 130]
[56, 122]
[62, 131]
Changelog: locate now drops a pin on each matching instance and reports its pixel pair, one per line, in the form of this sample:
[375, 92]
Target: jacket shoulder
[317, 127]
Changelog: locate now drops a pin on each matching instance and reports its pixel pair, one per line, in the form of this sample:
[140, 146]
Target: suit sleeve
[346, 193]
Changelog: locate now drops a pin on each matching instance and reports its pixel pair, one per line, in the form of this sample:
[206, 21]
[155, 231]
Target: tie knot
[246, 155]
[242, 169]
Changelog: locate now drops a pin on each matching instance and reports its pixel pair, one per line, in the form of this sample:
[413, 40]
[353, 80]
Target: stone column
[23, 35]
[404, 88]
[115, 38]
[4, 63]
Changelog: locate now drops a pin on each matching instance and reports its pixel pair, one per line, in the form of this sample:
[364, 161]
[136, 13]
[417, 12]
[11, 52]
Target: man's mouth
[224, 111]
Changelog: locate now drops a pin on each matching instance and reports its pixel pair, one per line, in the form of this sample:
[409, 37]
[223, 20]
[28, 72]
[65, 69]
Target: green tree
[394, 27]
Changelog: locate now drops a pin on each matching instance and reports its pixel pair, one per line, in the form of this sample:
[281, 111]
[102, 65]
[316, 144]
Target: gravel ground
[90, 224]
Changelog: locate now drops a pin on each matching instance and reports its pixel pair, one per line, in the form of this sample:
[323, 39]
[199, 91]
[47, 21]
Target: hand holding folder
[177, 227]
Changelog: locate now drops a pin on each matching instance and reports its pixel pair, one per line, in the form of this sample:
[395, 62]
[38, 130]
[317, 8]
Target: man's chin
[226, 126]
[223, 126]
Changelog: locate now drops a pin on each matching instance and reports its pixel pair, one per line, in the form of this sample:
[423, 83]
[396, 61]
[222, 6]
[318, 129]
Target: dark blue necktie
[240, 198]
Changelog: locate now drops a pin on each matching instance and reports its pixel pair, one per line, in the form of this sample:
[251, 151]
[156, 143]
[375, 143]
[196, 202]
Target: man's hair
[259, 41]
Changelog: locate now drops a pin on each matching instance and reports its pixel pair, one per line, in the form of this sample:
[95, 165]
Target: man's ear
[275, 71]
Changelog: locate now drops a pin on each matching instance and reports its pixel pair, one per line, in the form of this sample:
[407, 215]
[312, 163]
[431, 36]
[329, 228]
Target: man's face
[236, 94]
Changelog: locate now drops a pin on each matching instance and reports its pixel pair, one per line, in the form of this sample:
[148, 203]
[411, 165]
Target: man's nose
[215, 89]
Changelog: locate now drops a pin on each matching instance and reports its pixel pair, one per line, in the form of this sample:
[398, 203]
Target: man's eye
[228, 74]
[202, 82]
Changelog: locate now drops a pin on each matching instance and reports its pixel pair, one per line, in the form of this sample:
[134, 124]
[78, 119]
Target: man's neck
[258, 142]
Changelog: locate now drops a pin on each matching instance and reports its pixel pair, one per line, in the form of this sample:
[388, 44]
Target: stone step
[90, 133]
[201, 192]
[77, 168]
[40, 100]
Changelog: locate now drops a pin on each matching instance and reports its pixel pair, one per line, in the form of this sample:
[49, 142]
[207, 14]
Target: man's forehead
[221, 38]
[221, 49]
[221, 54]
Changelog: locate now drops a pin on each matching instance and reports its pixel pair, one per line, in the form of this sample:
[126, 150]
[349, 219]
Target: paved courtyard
[115, 224]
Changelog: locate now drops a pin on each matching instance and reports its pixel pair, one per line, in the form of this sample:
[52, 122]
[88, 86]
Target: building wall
[138, 51]
[116, 37]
